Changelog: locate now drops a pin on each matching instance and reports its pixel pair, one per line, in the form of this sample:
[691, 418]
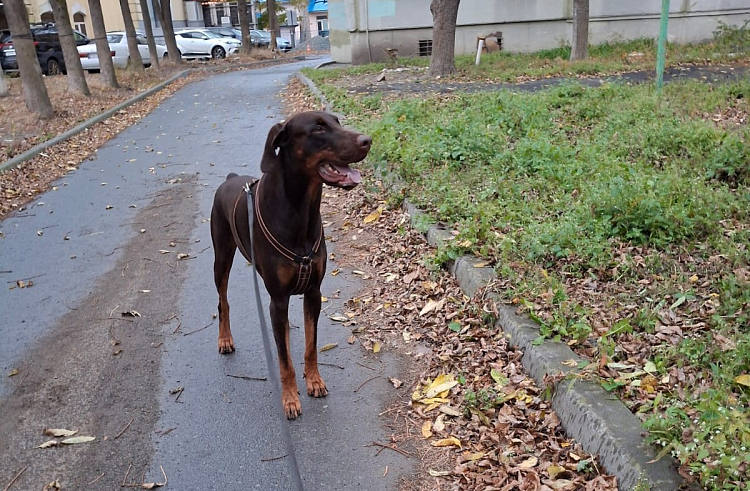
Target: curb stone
[599, 421]
[34, 151]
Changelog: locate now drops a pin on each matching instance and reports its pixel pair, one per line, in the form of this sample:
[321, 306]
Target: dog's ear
[277, 137]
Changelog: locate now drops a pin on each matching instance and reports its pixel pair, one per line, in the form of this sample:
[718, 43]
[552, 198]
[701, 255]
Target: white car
[118, 44]
[202, 43]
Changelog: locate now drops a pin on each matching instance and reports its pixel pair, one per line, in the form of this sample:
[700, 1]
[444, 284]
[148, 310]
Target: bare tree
[444, 16]
[35, 93]
[273, 24]
[76, 78]
[3, 84]
[164, 11]
[149, 34]
[244, 26]
[580, 47]
[103, 52]
[135, 62]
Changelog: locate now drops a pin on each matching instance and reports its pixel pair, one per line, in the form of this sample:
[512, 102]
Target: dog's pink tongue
[352, 175]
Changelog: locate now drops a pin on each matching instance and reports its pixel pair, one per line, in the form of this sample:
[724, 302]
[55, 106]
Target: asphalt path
[117, 339]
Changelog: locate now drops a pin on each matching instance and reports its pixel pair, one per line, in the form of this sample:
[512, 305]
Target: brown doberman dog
[288, 242]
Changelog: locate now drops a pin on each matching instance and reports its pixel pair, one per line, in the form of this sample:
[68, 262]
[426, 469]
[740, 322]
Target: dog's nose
[364, 141]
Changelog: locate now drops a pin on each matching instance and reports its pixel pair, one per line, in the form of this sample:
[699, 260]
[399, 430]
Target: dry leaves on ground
[470, 412]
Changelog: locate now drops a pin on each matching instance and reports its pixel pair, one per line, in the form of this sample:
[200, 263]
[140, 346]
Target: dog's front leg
[280, 323]
[315, 385]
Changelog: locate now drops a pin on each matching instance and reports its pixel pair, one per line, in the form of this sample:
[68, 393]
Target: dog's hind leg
[224, 248]
[315, 385]
[280, 322]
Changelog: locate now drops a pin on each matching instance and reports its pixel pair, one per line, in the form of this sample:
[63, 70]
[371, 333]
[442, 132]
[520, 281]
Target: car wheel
[53, 67]
[218, 52]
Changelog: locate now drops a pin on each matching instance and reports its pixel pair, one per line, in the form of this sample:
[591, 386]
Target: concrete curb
[34, 151]
[600, 422]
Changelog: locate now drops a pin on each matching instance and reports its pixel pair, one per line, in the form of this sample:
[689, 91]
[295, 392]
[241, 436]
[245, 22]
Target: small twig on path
[365, 366]
[124, 429]
[7, 487]
[92, 482]
[245, 377]
[202, 328]
[390, 447]
[368, 380]
[271, 459]
[27, 279]
[166, 432]
[332, 365]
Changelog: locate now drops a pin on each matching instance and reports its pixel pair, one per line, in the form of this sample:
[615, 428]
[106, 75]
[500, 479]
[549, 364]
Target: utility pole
[661, 50]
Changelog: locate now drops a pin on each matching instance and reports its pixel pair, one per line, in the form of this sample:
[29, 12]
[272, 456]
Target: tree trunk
[444, 16]
[76, 78]
[272, 23]
[34, 91]
[106, 66]
[135, 62]
[3, 85]
[149, 34]
[164, 8]
[580, 47]
[244, 26]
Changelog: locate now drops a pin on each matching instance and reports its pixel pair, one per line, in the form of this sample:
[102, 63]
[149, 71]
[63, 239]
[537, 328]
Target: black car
[48, 49]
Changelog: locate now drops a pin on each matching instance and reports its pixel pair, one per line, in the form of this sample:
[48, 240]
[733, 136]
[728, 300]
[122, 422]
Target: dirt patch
[97, 359]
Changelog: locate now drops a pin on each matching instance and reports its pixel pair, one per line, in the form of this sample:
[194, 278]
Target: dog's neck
[296, 204]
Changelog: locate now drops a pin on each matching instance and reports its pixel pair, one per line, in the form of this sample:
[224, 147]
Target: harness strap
[304, 272]
[233, 221]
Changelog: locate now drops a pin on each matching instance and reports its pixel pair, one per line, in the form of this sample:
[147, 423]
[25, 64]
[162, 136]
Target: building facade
[362, 31]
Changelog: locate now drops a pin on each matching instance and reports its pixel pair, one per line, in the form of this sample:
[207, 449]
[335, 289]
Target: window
[79, 22]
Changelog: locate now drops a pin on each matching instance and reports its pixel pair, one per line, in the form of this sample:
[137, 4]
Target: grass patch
[617, 218]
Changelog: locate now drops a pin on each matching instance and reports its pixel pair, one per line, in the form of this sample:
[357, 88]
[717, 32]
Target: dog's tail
[231, 175]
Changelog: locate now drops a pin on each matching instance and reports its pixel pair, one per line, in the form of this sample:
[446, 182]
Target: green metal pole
[662, 47]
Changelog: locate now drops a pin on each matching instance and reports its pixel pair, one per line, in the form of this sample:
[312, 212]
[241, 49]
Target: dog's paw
[226, 345]
[292, 408]
[316, 387]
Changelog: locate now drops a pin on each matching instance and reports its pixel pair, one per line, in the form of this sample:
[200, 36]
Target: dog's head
[314, 143]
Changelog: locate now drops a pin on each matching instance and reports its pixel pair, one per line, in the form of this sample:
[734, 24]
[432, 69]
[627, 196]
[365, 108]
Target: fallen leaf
[376, 347]
[328, 346]
[78, 439]
[439, 425]
[48, 444]
[352, 339]
[450, 411]
[183, 255]
[743, 379]
[432, 305]
[164, 251]
[396, 382]
[447, 442]
[529, 463]
[59, 432]
[13, 372]
[554, 470]
[427, 429]
[53, 485]
[338, 317]
[435, 473]
[374, 216]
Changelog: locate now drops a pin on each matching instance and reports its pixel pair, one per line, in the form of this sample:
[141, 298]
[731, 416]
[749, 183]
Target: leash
[272, 373]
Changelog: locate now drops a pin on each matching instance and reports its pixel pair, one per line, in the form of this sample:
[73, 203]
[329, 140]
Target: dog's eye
[319, 129]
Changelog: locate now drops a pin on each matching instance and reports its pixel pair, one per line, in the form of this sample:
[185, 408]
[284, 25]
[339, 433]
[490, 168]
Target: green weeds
[574, 188]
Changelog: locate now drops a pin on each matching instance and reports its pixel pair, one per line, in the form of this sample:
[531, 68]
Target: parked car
[262, 39]
[227, 32]
[48, 49]
[118, 44]
[201, 43]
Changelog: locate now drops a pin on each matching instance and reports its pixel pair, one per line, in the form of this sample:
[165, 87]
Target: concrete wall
[362, 30]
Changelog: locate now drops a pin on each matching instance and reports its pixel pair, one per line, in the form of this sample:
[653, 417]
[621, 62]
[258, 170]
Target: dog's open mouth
[339, 175]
